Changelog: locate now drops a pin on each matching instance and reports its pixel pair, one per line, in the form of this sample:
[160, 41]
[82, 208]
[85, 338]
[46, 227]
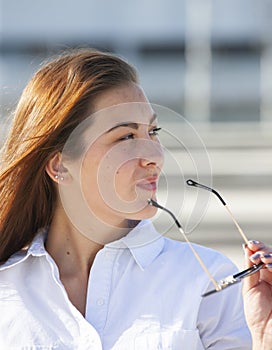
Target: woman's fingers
[269, 267]
[256, 252]
[254, 246]
[252, 280]
[253, 252]
[266, 258]
[259, 252]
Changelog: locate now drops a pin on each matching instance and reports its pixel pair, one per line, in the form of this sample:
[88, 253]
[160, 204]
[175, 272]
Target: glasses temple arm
[157, 205]
[193, 183]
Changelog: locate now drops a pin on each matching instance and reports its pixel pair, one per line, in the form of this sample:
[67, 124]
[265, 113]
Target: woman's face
[119, 169]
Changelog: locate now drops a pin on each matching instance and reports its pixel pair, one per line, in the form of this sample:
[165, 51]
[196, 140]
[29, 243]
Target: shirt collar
[144, 243]
[36, 248]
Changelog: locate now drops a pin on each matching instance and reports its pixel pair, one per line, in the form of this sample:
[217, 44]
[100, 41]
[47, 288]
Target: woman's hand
[257, 293]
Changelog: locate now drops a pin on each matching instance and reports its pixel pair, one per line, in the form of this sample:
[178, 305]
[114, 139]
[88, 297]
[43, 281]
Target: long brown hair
[55, 101]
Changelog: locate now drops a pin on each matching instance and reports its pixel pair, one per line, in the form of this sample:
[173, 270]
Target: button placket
[100, 301]
[99, 288]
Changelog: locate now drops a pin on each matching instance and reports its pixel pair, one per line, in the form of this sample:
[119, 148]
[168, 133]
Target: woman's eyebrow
[132, 125]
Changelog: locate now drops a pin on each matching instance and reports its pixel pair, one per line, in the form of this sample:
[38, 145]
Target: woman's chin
[147, 212]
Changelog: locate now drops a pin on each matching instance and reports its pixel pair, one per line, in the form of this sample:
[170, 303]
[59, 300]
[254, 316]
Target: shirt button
[100, 302]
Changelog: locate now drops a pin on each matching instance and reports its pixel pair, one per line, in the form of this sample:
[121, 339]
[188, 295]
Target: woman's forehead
[128, 113]
[127, 93]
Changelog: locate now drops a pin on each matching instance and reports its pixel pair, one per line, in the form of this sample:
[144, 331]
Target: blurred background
[210, 61]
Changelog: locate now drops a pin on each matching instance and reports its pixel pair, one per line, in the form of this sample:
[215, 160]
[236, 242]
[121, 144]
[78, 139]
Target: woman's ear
[56, 170]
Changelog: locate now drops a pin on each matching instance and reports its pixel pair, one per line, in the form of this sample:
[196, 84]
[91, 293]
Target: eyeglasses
[229, 280]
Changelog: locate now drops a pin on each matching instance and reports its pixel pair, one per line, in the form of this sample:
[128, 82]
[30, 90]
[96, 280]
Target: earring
[57, 177]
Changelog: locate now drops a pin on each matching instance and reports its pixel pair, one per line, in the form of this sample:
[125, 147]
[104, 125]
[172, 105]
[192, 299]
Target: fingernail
[267, 256]
[269, 266]
[255, 256]
[244, 246]
[254, 242]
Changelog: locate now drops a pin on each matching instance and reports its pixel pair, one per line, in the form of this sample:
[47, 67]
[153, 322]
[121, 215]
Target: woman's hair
[55, 101]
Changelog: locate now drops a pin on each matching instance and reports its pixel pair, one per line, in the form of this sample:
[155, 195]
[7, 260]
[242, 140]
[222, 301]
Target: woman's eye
[154, 131]
[127, 137]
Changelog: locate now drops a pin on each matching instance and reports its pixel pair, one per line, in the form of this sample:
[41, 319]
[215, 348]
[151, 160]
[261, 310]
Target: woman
[82, 266]
[257, 292]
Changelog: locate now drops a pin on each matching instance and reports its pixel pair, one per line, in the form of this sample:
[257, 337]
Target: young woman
[82, 267]
[257, 292]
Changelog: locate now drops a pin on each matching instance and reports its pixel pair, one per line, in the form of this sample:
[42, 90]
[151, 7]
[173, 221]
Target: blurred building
[205, 59]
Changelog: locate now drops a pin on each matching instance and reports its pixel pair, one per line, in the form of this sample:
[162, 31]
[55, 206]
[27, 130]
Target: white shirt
[144, 292]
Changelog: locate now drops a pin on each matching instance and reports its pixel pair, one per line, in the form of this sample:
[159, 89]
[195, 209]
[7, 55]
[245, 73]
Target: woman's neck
[74, 251]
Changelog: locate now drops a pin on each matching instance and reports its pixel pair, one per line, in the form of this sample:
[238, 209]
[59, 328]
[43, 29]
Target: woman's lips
[148, 184]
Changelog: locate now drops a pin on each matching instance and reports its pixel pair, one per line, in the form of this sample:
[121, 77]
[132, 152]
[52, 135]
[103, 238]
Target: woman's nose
[152, 154]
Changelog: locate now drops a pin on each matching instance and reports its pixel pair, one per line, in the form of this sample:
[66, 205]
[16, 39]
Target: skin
[257, 293]
[109, 185]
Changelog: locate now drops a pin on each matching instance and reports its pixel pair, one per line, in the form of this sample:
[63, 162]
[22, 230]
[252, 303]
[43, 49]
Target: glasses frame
[229, 280]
